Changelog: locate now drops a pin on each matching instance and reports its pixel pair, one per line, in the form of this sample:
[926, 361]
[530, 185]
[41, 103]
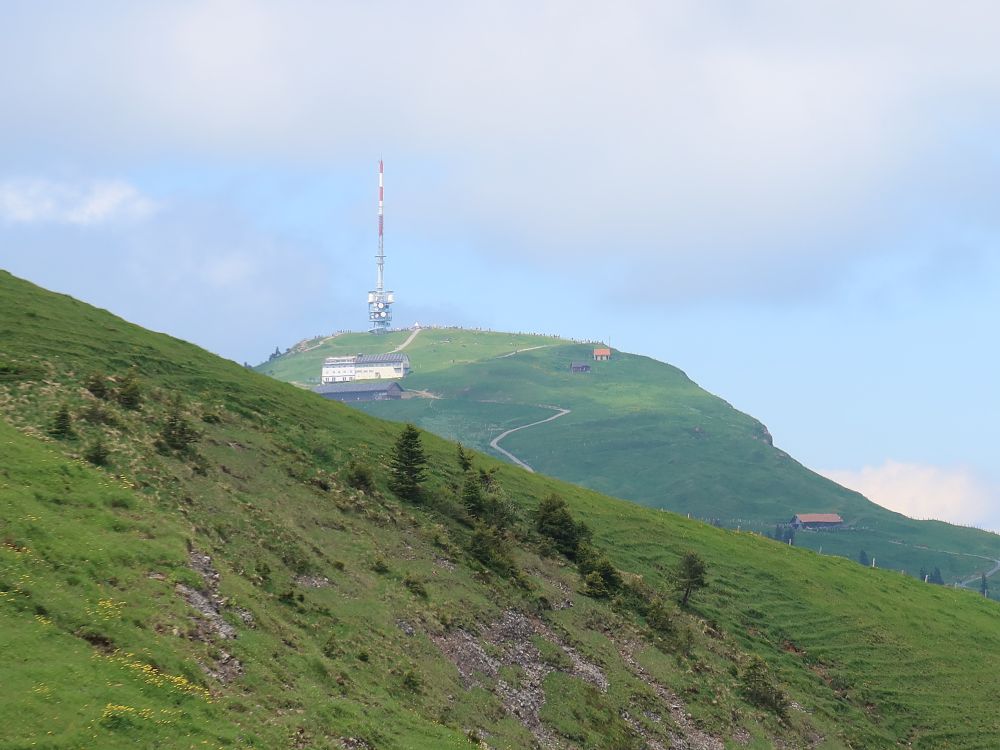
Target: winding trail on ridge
[965, 582]
[976, 579]
[494, 443]
[518, 351]
[407, 342]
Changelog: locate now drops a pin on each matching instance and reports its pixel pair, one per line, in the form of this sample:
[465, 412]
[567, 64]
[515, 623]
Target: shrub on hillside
[97, 452]
[62, 424]
[98, 385]
[416, 586]
[360, 476]
[662, 618]
[760, 689]
[95, 413]
[177, 433]
[592, 561]
[689, 576]
[594, 586]
[129, 392]
[553, 520]
[412, 681]
[489, 546]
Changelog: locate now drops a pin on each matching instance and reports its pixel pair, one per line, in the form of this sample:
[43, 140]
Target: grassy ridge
[642, 430]
[341, 600]
[437, 349]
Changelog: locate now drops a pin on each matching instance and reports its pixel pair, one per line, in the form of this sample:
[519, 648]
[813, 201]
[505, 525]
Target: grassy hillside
[222, 582]
[642, 430]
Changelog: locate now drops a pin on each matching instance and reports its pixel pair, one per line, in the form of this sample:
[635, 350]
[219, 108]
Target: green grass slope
[233, 590]
[642, 430]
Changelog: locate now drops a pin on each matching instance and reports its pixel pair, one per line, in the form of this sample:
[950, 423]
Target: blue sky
[795, 203]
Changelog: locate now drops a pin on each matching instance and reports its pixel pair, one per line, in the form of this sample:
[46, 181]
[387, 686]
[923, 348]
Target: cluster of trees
[494, 520]
[176, 433]
[487, 508]
[126, 392]
[481, 503]
[554, 522]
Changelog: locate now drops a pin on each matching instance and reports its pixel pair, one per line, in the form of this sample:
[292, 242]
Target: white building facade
[339, 369]
[364, 367]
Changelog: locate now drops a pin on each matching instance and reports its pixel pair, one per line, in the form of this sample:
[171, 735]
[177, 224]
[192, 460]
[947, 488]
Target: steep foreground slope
[641, 430]
[222, 582]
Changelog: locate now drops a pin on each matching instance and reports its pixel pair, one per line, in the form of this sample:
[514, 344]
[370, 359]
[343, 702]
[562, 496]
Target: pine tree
[62, 424]
[130, 392]
[489, 545]
[464, 458]
[689, 576]
[177, 432]
[936, 577]
[984, 587]
[97, 453]
[864, 559]
[552, 519]
[472, 495]
[406, 468]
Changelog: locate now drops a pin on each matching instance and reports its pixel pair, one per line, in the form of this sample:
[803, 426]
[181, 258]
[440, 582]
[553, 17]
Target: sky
[793, 202]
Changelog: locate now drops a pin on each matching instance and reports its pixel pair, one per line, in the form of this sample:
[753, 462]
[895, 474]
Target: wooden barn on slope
[816, 521]
[602, 355]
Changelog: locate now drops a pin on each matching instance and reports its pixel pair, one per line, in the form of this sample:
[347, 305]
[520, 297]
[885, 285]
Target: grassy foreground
[238, 592]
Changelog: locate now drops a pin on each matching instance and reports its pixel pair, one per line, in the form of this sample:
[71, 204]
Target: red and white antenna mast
[379, 300]
[381, 223]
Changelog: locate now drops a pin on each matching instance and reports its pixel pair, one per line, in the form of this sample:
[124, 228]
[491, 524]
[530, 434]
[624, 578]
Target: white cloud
[922, 491]
[723, 146]
[37, 201]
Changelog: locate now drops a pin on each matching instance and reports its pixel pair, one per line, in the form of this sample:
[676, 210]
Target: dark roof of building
[819, 518]
[356, 387]
[580, 364]
[374, 359]
[369, 359]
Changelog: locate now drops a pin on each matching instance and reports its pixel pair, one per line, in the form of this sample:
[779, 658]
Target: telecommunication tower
[379, 299]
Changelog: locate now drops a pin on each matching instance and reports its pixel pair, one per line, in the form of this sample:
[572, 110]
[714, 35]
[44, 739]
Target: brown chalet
[816, 521]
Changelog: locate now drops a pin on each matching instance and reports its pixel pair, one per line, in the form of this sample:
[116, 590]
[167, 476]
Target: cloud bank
[728, 149]
[920, 491]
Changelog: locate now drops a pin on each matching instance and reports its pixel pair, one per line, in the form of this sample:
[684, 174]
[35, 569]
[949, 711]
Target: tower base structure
[380, 310]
